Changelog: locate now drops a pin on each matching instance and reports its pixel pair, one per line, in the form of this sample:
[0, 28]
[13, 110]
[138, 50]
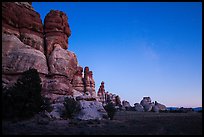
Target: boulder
[160, 106]
[91, 110]
[58, 110]
[145, 101]
[148, 107]
[155, 108]
[139, 107]
[126, 104]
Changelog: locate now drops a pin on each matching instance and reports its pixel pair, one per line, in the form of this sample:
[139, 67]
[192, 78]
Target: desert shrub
[71, 107]
[23, 99]
[110, 109]
[46, 105]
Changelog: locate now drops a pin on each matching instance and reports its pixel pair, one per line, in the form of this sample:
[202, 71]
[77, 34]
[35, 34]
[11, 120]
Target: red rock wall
[23, 22]
[57, 30]
[27, 43]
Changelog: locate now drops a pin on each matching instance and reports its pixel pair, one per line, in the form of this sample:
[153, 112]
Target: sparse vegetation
[23, 99]
[110, 109]
[71, 107]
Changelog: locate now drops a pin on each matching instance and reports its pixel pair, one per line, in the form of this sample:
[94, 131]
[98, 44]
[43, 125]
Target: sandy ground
[124, 123]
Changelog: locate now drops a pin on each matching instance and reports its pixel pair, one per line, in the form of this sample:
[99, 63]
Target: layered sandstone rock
[62, 62]
[18, 57]
[23, 47]
[26, 43]
[21, 20]
[77, 81]
[106, 97]
[89, 82]
[101, 93]
[57, 84]
[56, 30]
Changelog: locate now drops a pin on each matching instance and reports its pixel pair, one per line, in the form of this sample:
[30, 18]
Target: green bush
[110, 109]
[24, 99]
[71, 107]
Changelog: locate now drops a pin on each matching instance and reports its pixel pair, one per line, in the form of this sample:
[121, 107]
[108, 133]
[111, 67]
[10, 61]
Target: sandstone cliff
[27, 43]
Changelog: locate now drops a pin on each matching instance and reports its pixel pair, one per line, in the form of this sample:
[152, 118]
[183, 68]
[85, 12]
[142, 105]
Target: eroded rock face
[101, 93]
[89, 82]
[18, 57]
[57, 30]
[21, 20]
[26, 43]
[62, 62]
[57, 84]
[77, 82]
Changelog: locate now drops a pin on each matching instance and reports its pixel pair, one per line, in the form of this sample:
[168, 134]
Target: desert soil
[124, 123]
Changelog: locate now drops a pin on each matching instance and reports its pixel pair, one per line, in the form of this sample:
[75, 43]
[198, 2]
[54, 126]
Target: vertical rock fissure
[45, 50]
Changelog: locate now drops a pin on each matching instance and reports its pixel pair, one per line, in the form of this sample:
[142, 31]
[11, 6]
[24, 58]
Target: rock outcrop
[160, 106]
[27, 43]
[126, 105]
[101, 93]
[21, 20]
[62, 62]
[18, 57]
[106, 97]
[139, 107]
[56, 30]
[90, 109]
[147, 104]
[89, 82]
[151, 106]
[77, 82]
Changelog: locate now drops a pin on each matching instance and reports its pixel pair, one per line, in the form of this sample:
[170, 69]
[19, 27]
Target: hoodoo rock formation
[27, 43]
[106, 97]
[89, 82]
[57, 31]
[77, 81]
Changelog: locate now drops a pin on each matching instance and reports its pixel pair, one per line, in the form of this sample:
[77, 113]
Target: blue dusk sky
[138, 48]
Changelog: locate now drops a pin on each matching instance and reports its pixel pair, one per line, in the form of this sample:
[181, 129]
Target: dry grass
[124, 123]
